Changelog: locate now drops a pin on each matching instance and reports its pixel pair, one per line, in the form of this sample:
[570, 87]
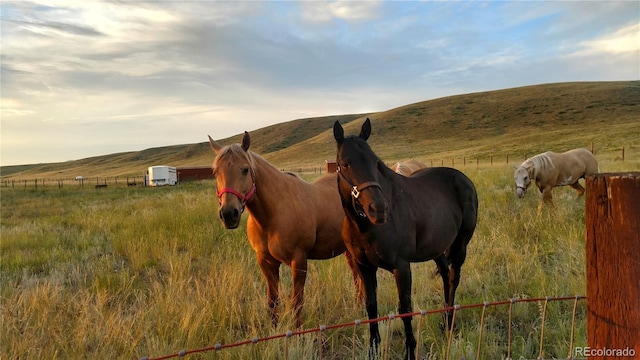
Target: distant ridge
[526, 119]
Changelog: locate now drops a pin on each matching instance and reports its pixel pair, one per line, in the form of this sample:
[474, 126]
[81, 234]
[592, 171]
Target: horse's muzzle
[520, 192]
[230, 217]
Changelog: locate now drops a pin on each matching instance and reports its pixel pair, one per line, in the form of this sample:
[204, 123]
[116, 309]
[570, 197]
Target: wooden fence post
[613, 270]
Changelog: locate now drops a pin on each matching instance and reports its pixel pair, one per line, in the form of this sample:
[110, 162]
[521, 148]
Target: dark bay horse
[551, 169]
[290, 220]
[392, 221]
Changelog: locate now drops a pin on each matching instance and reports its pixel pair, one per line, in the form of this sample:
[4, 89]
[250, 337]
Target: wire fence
[140, 180]
[80, 182]
[450, 333]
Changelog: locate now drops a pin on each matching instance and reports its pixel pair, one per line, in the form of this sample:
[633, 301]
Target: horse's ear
[365, 132]
[246, 141]
[338, 132]
[214, 145]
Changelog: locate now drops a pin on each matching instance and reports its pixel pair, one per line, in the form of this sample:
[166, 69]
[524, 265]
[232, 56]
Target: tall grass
[133, 272]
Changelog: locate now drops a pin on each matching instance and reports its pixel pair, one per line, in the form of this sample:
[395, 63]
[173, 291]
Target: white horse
[550, 169]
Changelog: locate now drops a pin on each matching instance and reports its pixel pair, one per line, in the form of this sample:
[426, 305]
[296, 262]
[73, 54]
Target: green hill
[517, 121]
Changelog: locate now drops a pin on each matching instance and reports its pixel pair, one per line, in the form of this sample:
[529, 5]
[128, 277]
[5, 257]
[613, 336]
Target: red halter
[243, 198]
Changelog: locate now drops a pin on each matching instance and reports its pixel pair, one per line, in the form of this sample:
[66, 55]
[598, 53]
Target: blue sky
[88, 78]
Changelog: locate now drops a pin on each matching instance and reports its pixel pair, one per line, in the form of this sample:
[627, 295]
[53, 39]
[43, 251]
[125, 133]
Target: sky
[90, 78]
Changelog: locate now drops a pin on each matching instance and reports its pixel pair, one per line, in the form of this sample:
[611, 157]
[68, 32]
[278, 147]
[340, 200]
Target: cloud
[324, 11]
[622, 41]
[142, 74]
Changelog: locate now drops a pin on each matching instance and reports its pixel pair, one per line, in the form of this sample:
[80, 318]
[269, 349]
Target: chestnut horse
[290, 220]
[408, 167]
[550, 169]
[393, 220]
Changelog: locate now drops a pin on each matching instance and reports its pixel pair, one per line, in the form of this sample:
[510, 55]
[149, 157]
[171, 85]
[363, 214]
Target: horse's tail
[468, 197]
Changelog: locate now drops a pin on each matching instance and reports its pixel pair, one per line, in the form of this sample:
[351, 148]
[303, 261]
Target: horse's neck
[537, 163]
[531, 168]
[270, 185]
[387, 179]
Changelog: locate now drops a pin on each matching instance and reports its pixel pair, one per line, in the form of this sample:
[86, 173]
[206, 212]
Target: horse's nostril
[230, 215]
[372, 211]
[377, 213]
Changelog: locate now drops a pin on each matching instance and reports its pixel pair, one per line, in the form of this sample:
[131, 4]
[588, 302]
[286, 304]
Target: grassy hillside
[265, 140]
[517, 121]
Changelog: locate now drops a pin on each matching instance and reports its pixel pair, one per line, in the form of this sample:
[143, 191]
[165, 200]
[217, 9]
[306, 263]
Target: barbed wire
[322, 328]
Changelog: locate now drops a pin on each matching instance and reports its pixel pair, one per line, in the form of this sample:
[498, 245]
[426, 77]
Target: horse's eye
[245, 171]
[526, 178]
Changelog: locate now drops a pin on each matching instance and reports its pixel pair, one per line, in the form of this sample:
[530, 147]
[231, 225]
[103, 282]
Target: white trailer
[162, 175]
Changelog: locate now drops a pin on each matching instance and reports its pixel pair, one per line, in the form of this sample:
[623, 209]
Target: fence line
[320, 329]
[95, 181]
[138, 180]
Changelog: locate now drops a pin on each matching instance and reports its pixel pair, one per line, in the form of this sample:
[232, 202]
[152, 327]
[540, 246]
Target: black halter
[355, 192]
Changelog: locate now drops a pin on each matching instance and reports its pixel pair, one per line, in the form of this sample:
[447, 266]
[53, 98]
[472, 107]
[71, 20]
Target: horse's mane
[538, 163]
[386, 171]
[234, 150]
[401, 168]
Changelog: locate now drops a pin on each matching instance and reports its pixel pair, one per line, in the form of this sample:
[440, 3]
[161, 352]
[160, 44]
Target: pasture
[133, 272]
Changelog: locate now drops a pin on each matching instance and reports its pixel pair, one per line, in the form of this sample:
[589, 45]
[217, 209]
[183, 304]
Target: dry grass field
[128, 272]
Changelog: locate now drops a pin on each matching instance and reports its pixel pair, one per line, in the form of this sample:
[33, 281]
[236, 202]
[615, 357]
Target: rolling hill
[518, 121]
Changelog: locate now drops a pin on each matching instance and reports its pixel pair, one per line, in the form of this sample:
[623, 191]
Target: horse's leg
[443, 268]
[546, 195]
[546, 198]
[270, 268]
[578, 188]
[368, 274]
[299, 275]
[402, 274]
[356, 277]
[457, 259]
